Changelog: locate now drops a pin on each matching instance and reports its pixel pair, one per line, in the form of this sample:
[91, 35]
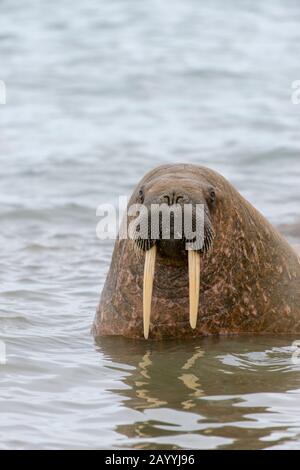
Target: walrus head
[180, 285]
[172, 203]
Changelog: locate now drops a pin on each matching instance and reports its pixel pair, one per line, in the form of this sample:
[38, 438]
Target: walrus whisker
[209, 235]
[137, 250]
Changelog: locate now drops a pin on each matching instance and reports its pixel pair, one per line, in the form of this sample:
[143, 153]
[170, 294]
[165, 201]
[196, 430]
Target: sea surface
[98, 93]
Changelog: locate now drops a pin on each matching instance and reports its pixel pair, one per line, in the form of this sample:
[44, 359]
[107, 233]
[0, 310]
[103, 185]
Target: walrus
[245, 277]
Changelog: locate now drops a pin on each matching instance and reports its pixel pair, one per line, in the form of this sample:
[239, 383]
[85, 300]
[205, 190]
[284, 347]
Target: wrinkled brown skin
[250, 278]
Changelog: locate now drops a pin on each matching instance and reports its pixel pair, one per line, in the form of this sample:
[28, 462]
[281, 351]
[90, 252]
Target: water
[99, 92]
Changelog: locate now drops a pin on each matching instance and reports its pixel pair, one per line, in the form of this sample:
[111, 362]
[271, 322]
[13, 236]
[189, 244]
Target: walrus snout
[181, 214]
[174, 196]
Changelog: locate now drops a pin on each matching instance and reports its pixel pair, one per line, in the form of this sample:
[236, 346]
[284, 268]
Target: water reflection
[215, 393]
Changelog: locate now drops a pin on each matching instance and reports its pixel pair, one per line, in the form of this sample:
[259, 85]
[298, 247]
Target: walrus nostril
[167, 199]
[172, 198]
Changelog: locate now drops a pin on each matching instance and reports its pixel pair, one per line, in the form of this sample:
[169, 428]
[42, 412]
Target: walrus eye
[141, 195]
[212, 195]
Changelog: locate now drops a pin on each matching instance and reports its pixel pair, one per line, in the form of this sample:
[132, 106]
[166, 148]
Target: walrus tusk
[148, 287]
[194, 281]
